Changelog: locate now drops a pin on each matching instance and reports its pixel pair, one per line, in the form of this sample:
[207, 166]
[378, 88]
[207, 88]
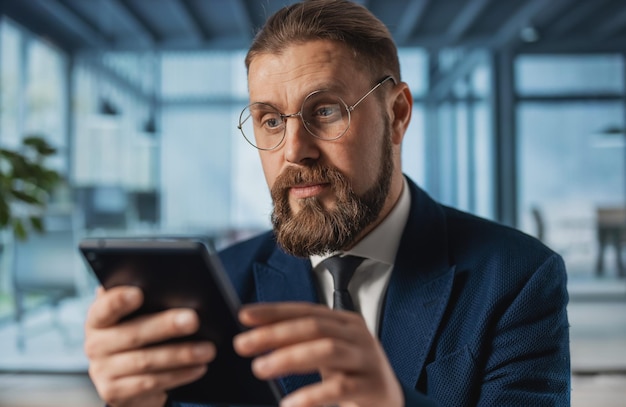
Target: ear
[401, 107]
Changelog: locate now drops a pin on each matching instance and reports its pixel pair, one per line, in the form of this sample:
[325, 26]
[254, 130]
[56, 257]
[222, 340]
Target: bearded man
[443, 308]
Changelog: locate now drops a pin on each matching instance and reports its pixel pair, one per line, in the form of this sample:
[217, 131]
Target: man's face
[325, 193]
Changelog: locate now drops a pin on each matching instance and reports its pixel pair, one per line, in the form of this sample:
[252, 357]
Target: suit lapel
[418, 291]
[287, 278]
[284, 278]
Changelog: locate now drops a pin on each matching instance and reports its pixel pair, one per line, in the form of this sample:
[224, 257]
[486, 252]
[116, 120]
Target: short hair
[336, 20]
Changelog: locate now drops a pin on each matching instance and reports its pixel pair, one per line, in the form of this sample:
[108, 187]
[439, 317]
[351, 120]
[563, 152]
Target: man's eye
[327, 112]
[324, 111]
[271, 122]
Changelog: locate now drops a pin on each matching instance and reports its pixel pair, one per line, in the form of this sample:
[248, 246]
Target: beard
[315, 229]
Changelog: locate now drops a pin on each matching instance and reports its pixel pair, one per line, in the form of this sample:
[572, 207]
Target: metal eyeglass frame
[284, 117]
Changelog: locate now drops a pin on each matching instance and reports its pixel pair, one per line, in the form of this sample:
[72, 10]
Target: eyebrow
[322, 86]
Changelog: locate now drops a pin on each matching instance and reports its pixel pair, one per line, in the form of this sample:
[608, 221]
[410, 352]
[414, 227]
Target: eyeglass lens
[323, 114]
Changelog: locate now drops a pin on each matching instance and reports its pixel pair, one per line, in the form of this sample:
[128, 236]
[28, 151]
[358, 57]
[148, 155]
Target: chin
[296, 205]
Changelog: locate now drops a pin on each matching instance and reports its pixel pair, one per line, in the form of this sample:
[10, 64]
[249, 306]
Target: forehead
[304, 67]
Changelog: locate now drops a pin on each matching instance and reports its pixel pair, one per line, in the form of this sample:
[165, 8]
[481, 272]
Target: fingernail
[241, 342]
[184, 319]
[243, 314]
[246, 313]
[132, 295]
[197, 371]
[203, 350]
[260, 365]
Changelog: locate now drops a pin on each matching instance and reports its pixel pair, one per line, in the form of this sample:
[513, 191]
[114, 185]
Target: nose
[300, 146]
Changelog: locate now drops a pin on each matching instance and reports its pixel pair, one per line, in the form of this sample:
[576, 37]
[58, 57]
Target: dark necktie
[342, 268]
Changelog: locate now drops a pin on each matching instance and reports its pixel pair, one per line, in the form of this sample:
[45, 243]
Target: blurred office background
[520, 110]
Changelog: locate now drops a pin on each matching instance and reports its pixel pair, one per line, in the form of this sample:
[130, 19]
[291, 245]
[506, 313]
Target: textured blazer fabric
[475, 312]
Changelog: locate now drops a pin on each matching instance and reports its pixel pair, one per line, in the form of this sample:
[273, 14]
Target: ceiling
[526, 25]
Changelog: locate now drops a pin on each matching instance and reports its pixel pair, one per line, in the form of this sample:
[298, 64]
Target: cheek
[362, 158]
[366, 171]
[359, 164]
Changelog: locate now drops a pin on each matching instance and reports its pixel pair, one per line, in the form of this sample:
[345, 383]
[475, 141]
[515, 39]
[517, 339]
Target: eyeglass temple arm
[385, 79]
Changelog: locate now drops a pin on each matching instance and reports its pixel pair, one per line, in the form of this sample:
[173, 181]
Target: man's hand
[304, 338]
[125, 371]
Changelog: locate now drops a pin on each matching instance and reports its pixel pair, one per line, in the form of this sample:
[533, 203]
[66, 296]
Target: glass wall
[33, 82]
[113, 149]
[414, 65]
[211, 182]
[33, 102]
[460, 143]
[33, 86]
[572, 178]
[93, 111]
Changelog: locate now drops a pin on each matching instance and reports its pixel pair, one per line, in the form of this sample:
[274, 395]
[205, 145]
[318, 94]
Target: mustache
[314, 174]
[307, 175]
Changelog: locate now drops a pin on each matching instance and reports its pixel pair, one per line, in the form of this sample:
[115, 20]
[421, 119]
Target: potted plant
[25, 185]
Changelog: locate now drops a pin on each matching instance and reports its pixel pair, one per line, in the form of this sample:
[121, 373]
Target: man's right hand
[127, 372]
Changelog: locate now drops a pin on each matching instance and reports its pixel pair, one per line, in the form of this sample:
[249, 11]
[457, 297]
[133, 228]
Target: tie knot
[342, 269]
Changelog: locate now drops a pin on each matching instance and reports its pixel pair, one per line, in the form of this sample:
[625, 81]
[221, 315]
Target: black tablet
[176, 273]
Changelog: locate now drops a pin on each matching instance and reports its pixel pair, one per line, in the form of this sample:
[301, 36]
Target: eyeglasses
[324, 115]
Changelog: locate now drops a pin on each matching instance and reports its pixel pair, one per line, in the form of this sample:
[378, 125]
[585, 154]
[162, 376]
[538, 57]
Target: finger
[267, 313]
[141, 331]
[153, 399]
[308, 357]
[153, 359]
[134, 386]
[326, 393]
[145, 400]
[280, 334]
[110, 306]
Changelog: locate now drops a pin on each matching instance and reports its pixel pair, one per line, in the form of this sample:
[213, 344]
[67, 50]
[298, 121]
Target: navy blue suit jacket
[474, 315]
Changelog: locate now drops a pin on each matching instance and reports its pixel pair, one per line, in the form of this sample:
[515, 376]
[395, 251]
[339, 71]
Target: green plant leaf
[19, 230]
[8, 154]
[40, 145]
[37, 223]
[5, 212]
[20, 167]
[29, 198]
[25, 179]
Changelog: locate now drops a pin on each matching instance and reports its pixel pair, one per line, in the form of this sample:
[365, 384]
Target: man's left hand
[304, 338]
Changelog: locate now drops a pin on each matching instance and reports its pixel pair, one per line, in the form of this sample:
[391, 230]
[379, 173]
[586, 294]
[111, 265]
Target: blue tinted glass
[550, 74]
[568, 173]
[413, 65]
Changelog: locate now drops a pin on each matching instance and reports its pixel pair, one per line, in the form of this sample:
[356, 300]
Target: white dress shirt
[369, 283]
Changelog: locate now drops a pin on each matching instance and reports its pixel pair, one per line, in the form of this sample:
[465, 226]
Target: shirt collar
[381, 244]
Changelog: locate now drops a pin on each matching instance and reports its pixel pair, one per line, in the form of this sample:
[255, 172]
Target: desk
[611, 229]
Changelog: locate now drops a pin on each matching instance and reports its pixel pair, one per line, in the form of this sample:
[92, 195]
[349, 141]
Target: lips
[302, 191]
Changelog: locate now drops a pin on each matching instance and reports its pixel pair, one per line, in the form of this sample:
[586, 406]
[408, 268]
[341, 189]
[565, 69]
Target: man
[452, 310]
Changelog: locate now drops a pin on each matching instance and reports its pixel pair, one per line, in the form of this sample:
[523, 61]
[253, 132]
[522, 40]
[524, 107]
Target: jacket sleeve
[413, 398]
[523, 356]
[530, 361]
